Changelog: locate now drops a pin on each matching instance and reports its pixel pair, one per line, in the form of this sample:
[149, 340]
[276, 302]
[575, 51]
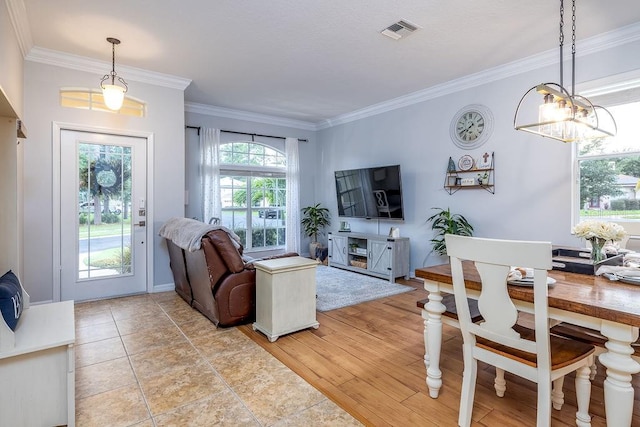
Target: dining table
[596, 302]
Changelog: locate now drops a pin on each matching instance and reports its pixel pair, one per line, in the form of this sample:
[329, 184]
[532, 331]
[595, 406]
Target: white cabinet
[379, 256]
[285, 296]
[372, 254]
[338, 250]
[37, 367]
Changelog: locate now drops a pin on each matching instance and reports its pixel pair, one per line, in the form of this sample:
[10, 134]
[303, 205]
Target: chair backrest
[381, 199]
[493, 260]
[632, 239]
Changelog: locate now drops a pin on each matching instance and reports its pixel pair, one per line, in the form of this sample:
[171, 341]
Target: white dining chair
[382, 203]
[499, 341]
[632, 238]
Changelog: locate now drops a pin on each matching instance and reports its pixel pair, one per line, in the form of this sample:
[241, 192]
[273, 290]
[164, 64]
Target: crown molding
[81, 63]
[229, 113]
[628, 34]
[20, 23]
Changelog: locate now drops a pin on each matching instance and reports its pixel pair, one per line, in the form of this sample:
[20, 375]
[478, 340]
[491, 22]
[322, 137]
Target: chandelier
[550, 110]
[113, 94]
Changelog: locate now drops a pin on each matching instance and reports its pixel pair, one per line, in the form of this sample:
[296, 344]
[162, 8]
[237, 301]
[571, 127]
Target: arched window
[253, 193]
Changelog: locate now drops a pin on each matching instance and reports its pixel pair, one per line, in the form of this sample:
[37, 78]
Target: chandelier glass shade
[550, 110]
[113, 93]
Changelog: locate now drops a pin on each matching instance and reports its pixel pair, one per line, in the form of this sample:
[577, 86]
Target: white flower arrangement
[599, 230]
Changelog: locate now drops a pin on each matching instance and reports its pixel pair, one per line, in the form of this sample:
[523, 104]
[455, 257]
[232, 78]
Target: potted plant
[314, 219]
[444, 222]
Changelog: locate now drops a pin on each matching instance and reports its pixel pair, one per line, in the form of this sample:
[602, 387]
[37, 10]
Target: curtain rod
[245, 133]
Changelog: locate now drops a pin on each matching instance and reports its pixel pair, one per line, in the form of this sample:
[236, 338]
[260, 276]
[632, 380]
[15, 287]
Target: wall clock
[471, 126]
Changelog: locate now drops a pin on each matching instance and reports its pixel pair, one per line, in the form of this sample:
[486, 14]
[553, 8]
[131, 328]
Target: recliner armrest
[250, 266]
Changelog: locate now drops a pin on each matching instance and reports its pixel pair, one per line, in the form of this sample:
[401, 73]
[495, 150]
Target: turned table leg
[432, 314]
[618, 391]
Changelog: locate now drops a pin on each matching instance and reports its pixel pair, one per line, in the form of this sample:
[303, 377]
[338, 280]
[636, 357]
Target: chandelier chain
[573, 48]
[573, 27]
[561, 23]
[561, 42]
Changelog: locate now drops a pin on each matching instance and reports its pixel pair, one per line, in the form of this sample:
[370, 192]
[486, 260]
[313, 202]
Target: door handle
[141, 224]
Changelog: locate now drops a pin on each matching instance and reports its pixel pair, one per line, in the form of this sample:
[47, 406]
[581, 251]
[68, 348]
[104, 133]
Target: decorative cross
[485, 156]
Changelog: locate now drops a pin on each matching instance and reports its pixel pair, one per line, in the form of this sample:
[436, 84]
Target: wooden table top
[594, 296]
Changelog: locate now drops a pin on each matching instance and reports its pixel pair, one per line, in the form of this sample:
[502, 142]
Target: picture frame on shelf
[485, 161]
[465, 163]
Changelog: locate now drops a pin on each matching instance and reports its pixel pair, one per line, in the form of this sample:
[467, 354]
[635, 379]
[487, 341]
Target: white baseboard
[163, 288]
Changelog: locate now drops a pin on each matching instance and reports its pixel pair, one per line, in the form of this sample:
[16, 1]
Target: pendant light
[563, 115]
[113, 94]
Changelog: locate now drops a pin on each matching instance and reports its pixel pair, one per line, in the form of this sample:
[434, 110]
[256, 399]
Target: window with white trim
[608, 170]
[253, 193]
[92, 99]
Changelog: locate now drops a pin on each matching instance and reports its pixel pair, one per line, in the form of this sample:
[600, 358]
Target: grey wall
[532, 174]
[165, 120]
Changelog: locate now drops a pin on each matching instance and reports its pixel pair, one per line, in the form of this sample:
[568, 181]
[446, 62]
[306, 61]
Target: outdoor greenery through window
[253, 193]
[609, 171]
[104, 210]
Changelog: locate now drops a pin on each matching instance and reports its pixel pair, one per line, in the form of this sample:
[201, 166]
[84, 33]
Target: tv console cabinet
[373, 254]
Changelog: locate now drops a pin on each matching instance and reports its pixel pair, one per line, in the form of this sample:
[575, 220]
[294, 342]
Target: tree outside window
[609, 169]
[253, 194]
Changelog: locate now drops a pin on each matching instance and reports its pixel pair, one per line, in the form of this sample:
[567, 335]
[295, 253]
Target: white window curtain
[293, 196]
[210, 173]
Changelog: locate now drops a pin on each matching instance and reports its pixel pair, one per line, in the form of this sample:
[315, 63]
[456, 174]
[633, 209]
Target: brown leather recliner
[222, 285]
[179, 269]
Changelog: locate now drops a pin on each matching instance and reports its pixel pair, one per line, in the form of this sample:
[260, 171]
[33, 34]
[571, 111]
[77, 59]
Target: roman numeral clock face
[471, 126]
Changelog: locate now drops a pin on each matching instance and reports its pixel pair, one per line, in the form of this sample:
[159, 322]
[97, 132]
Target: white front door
[103, 189]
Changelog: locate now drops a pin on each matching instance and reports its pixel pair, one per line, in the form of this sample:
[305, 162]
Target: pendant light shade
[113, 94]
[550, 110]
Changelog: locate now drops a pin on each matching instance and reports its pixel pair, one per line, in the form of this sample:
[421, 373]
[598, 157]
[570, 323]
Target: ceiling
[311, 60]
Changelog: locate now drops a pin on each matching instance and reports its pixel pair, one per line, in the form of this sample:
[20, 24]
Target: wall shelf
[472, 179]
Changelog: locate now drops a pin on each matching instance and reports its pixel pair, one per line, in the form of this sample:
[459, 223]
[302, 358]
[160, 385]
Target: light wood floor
[368, 359]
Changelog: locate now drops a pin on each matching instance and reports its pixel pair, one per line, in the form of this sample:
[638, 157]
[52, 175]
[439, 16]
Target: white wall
[532, 174]
[11, 82]
[165, 119]
[11, 76]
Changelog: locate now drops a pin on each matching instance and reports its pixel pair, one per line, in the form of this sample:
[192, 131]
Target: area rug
[338, 288]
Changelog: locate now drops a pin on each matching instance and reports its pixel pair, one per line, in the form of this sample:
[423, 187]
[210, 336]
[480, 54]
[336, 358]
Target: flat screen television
[370, 193]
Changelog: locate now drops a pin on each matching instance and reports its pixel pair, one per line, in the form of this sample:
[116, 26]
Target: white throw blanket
[187, 233]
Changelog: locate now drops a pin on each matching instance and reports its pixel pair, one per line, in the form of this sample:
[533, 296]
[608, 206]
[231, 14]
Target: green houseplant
[314, 219]
[444, 222]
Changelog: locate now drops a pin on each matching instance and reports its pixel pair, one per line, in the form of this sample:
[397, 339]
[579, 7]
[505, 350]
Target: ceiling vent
[399, 30]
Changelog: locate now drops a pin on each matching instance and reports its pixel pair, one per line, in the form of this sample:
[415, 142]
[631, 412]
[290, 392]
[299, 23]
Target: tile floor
[151, 360]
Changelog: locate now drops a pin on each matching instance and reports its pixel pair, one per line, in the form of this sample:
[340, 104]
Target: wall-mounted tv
[374, 192]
